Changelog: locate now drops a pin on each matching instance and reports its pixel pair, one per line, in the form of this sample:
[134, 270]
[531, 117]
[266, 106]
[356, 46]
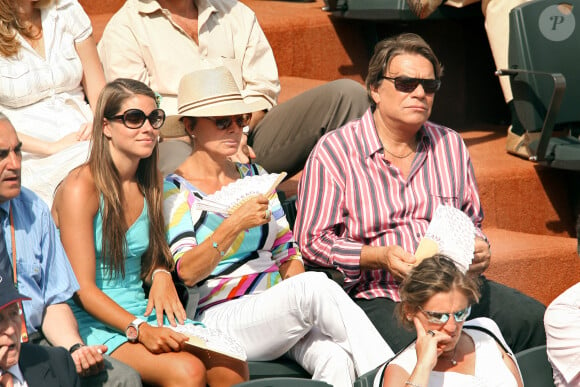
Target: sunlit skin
[447, 334]
[400, 111]
[215, 141]
[10, 327]
[10, 162]
[127, 142]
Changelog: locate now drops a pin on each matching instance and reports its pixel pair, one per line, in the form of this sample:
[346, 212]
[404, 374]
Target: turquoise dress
[127, 292]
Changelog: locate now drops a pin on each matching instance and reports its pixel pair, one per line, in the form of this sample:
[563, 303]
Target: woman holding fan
[245, 268]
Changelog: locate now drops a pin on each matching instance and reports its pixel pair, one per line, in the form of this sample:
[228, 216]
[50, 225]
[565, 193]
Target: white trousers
[312, 319]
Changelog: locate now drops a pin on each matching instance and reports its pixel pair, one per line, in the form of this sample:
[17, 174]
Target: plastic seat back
[535, 367]
[544, 50]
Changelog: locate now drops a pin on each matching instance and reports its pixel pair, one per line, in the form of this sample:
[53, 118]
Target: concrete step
[540, 266]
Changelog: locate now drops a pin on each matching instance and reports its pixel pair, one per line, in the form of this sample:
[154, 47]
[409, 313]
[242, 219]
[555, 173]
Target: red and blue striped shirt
[350, 196]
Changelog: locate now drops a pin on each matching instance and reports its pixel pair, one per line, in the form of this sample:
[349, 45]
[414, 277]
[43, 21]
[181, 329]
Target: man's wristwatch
[132, 330]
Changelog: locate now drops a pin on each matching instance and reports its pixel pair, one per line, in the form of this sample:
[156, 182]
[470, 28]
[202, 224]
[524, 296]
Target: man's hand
[397, 261]
[481, 257]
[163, 297]
[89, 359]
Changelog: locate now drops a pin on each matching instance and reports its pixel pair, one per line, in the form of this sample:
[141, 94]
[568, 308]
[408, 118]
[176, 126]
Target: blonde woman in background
[49, 68]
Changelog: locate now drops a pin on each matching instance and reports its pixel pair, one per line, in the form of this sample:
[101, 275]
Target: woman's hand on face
[254, 212]
[163, 297]
[429, 345]
[161, 339]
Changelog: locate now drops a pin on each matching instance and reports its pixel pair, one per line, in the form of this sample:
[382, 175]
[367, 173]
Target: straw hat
[207, 93]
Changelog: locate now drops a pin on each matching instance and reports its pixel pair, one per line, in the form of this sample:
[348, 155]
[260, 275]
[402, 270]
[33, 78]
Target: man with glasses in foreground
[370, 189]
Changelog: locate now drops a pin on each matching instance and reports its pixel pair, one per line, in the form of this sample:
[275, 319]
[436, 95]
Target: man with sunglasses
[29, 240]
[370, 189]
[211, 33]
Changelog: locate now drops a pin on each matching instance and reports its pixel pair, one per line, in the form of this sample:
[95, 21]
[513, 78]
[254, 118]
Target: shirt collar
[371, 137]
[148, 6]
[16, 373]
[204, 8]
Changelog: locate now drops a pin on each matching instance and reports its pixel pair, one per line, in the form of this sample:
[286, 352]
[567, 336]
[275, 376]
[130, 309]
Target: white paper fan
[452, 233]
[202, 339]
[229, 198]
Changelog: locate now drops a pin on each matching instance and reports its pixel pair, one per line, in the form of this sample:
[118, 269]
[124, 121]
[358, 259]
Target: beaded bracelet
[215, 246]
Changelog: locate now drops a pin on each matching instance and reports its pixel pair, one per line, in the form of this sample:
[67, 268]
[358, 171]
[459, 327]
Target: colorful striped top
[350, 195]
[250, 265]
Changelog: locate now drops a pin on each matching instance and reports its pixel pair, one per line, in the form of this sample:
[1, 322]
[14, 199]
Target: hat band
[209, 101]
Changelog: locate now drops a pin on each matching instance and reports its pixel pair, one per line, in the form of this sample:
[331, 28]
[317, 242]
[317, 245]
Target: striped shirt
[350, 196]
[251, 263]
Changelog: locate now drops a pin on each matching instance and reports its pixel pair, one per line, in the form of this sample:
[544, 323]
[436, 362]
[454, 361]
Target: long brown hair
[11, 24]
[108, 184]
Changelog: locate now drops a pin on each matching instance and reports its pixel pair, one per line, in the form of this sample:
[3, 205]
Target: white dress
[43, 97]
[490, 369]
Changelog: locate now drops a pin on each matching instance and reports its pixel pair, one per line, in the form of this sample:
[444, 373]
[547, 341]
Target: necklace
[452, 359]
[398, 156]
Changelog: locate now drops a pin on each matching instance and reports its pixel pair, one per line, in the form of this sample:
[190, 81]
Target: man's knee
[116, 374]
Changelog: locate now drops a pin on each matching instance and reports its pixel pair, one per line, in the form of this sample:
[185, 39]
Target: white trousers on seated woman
[310, 317]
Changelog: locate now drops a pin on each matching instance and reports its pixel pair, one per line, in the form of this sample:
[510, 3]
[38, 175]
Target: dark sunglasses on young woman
[223, 123]
[135, 118]
[407, 84]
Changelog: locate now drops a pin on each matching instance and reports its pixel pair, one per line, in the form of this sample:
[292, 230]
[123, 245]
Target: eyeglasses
[223, 123]
[442, 318]
[407, 85]
[135, 118]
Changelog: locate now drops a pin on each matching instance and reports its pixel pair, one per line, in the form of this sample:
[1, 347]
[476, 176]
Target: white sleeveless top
[490, 369]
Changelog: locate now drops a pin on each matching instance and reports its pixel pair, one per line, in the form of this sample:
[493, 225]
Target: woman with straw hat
[244, 268]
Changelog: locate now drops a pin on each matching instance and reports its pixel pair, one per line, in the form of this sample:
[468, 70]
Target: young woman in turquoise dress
[109, 213]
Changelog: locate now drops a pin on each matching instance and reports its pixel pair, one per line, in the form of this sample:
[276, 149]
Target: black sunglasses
[407, 84]
[135, 118]
[223, 123]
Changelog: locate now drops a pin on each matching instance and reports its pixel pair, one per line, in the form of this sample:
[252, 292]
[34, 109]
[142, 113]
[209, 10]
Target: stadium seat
[282, 367]
[535, 367]
[543, 56]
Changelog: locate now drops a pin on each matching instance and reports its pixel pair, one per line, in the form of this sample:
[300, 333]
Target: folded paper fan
[451, 233]
[229, 198]
[203, 339]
